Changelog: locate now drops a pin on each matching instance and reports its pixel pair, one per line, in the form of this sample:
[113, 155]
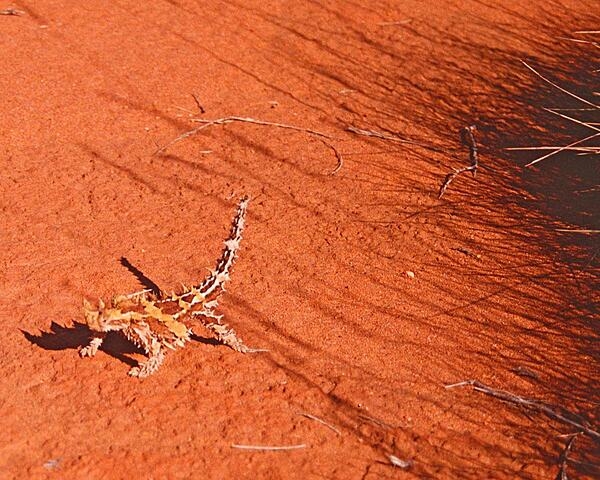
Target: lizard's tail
[215, 280]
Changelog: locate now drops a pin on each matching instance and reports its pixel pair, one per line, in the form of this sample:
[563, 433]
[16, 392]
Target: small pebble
[410, 274]
[52, 464]
[399, 463]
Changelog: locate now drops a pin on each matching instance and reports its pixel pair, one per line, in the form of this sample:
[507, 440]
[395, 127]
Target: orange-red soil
[91, 89]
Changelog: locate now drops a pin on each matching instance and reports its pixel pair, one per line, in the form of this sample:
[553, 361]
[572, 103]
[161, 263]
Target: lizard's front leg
[92, 348]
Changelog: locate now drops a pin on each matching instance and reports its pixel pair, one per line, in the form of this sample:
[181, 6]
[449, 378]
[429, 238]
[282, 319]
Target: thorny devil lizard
[154, 321]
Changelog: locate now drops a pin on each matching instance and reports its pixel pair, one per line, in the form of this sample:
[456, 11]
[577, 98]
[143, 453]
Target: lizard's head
[102, 319]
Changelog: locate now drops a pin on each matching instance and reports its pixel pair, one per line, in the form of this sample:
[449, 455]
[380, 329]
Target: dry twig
[397, 462]
[559, 87]
[572, 146]
[11, 11]
[321, 421]
[375, 421]
[225, 120]
[562, 115]
[468, 138]
[585, 231]
[578, 40]
[562, 149]
[581, 150]
[198, 104]
[393, 24]
[268, 448]
[528, 403]
[564, 458]
[394, 138]
[338, 155]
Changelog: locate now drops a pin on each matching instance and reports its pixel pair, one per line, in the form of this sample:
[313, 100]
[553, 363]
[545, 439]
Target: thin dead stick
[271, 448]
[385, 136]
[529, 403]
[11, 11]
[574, 109]
[559, 87]
[468, 138]
[375, 421]
[585, 154]
[450, 177]
[321, 421]
[562, 115]
[570, 149]
[564, 458]
[398, 462]
[577, 40]
[561, 149]
[577, 230]
[225, 120]
[338, 155]
[390, 24]
[198, 104]
[184, 110]
[589, 190]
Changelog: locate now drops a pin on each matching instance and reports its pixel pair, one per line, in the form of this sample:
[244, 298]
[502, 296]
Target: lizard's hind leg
[224, 334]
[155, 360]
[227, 336]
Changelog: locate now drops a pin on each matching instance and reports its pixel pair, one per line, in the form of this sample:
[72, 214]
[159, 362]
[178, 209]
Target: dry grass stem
[528, 403]
[590, 150]
[11, 11]
[375, 421]
[562, 149]
[225, 120]
[587, 102]
[198, 104]
[587, 150]
[468, 138]
[321, 421]
[391, 24]
[578, 230]
[269, 448]
[397, 462]
[564, 458]
[562, 115]
[393, 138]
[578, 40]
[338, 155]
[574, 109]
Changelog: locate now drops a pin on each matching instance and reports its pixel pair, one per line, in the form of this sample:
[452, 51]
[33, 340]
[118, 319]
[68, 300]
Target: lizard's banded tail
[213, 283]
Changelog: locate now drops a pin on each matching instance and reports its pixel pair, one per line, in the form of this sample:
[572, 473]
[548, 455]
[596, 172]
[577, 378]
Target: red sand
[91, 89]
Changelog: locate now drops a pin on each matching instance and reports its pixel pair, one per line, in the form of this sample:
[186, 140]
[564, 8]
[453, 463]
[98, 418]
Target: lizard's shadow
[71, 338]
[115, 345]
[146, 281]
